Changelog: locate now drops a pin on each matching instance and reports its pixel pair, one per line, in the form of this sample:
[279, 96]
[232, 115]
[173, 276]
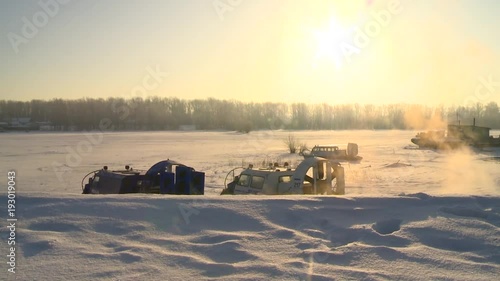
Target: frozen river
[405, 211]
[56, 162]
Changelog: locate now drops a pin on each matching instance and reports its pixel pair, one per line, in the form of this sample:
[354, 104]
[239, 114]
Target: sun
[329, 42]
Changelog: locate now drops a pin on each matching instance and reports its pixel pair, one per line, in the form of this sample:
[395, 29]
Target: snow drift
[153, 237]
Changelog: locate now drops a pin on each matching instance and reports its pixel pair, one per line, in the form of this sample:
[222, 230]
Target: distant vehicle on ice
[333, 152]
[314, 175]
[457, 136]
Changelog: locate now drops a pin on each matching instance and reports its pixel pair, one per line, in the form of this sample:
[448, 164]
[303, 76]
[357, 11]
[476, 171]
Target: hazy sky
[428, 52]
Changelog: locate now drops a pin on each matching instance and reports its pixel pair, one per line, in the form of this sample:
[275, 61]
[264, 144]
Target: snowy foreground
[408, 214]
[144, 237]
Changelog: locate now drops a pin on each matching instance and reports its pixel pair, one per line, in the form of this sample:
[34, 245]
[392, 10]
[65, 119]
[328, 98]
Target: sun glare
[329, 41]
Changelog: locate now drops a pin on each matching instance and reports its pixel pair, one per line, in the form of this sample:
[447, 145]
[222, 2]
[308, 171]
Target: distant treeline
[157, 113]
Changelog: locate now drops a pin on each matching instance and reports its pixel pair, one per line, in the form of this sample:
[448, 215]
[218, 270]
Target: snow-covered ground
[408, 214]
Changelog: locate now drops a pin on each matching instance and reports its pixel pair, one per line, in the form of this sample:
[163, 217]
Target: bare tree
[291, 143]
[303, 148]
